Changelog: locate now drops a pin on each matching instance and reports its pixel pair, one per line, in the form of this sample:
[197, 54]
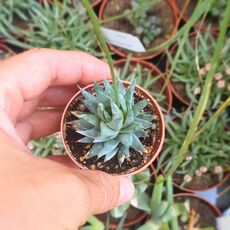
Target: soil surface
[79, 150]
[161, 10]
[198, 183]
[206, 214]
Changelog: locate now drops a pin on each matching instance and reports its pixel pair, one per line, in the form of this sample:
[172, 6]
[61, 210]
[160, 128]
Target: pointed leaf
[110, 155]
[97, 88]
[92, 133]
[129, 118]
[120, 87]
[116, 112]
[137, 145]
[81, 124]
[107, 116]
[133, 127]
[129, 97]
[146, 116]
[126, 139]
[108, 147]
[105, 133]
[85, 140]
[140, 133]
[145, 124]
[100, 111]
[92, 119]
[122, 103]
[116, 124]
[139, 106]
[95, 150]
[109, 91]
[90, 101]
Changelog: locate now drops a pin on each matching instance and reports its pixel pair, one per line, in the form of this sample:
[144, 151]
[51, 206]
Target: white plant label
[123, 40]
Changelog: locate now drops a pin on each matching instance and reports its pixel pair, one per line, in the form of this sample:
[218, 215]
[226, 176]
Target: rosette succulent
[113, 126]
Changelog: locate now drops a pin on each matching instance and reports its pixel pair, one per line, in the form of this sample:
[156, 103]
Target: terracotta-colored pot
[167, 66]
[157, 141]
[197, 25]
[7, 49]
[155, 71]
[212, 207]
[142, 216]
[144, 55]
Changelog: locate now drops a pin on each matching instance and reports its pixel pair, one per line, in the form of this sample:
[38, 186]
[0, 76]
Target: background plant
[145, 23]
[217, 8]
[141, 199]
[208, 153]
[144, 77]
[193, 73]
[50, 145]
[58, 25]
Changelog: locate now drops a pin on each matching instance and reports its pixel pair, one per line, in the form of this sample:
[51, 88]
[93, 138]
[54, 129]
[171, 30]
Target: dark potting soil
[161, 10]
[79, 150]
[205, 213]
[155, 87]
[198, 183]
[189, 11]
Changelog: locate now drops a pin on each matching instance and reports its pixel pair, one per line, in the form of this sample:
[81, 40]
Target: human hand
[39, 193]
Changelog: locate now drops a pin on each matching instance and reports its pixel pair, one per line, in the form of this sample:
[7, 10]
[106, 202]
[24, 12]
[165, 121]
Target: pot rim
[213, 207]
[142, 55]
[167, 65]
[167, 91]
[161, 127]
[197, 25]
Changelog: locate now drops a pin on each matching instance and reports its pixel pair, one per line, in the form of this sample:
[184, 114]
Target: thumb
[105, 191]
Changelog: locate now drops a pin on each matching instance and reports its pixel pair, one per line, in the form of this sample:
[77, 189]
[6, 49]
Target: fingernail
[126, 190]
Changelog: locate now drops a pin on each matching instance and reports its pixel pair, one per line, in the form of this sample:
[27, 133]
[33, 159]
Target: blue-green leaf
[92, 133]
[129, 119]
[116, 124]
[92, 119]
[85, 140]
[126, 139]
[120, 87]
[81, 124]
[109, 90]
[106, 133]
[108, 147]
[137, 108]
[146, 116]
[96, 148]
[145, 124]
[136, 144]
[110, 155]
[90, 101]
[129, 97]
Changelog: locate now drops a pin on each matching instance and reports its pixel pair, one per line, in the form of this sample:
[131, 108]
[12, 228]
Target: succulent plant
[146, 25]
[113, 126]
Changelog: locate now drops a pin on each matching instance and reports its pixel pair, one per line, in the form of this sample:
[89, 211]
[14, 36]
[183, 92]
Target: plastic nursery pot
[124, 53]
[199, 207]
[141, 216]
[188, 12]
[176, 89]
[77, 150]
[167, 104]
[6, 49]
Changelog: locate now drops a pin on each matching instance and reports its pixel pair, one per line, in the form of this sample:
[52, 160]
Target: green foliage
[164, 211]
[63, 26]
[113, 128]
[147, 25]
[141, 199]
[217, 8]
[195, 62]
[50, 145]
[93, 224]
[145, 78]
[207, 154]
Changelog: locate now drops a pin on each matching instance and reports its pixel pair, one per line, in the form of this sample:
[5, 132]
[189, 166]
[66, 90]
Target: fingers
[105, 191]
[36, 70]
[39, 124]
[64, 160]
